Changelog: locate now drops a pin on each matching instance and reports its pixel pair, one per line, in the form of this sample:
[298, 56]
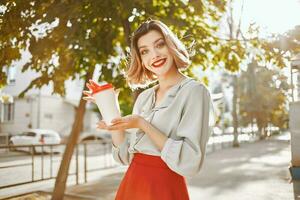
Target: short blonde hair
[139, 76]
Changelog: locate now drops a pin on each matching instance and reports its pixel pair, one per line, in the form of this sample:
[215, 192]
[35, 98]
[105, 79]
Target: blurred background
[246, 52]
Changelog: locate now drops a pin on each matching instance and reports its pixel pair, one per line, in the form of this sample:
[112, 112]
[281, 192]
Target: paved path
[256, 171]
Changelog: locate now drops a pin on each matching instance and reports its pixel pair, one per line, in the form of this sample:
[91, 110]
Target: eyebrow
[153, 43]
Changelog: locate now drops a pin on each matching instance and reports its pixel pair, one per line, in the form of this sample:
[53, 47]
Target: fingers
[88, 96]
[117, 120]
[92, 88]
[91, 99]
[102, 125]
[88, 93]
[93, 83]
[120, 126]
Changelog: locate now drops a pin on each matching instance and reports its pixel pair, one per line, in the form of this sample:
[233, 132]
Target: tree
[262, 95]
[283, 47]
[238, 47]
[233, 50]
[81, 34]
[278, 52]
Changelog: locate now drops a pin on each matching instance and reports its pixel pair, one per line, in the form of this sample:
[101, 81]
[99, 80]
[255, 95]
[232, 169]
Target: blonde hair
[139, 76]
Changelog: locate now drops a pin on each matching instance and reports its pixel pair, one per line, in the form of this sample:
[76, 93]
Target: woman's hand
[134, 121]
[89, 93]
[102, 125]
[89, 96]
[122, 123]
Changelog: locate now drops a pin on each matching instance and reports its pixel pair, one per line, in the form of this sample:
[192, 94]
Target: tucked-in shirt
[184, 116]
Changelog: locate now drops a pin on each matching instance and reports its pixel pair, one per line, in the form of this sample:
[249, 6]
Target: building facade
[40, 108]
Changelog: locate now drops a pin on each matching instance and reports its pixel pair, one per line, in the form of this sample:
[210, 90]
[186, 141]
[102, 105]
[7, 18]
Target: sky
[272, 16]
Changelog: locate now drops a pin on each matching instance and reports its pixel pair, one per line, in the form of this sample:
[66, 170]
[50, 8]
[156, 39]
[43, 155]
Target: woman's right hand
[89, 97]
[91, 86]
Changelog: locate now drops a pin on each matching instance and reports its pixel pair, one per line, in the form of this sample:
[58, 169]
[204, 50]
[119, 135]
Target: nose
[155, 55]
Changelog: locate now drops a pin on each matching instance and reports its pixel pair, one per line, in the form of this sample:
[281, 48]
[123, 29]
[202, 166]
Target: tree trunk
[127, 30]
[259, 132]
[262, 133]
[62, 176]
[252, 126]
[232, 36]
[234, 114]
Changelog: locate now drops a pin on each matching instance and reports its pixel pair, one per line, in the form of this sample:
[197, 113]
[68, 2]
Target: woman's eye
[161, 44]
[143, 52]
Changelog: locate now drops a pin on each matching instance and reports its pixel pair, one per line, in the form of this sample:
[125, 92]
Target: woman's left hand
[127, 122]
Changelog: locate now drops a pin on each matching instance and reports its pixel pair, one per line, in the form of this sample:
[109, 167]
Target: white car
[99, 135]
[35, 137]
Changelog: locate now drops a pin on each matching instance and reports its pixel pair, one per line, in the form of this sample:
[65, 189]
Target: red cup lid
[102, 87]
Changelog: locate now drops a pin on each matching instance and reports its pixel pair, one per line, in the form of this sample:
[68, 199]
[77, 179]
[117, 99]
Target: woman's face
[155, 53]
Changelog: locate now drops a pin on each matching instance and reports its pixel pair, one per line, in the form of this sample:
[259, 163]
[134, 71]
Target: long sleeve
[120, 153]
[186, 155]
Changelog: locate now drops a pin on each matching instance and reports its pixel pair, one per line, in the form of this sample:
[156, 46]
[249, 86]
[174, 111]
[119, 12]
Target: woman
[164, 139]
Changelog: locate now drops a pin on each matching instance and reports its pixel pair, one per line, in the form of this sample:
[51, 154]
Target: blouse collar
[170, 94]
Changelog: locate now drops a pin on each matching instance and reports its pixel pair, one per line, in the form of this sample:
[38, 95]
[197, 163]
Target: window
[48, 136]
[31, 134]
[48, 115]
[11, 75]
[7, 112]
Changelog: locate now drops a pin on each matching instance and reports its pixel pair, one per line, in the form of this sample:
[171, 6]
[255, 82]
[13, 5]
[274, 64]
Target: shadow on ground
[102, 189]
[234, 169]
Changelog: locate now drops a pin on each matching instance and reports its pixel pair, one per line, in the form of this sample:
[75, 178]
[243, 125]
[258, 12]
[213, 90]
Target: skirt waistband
[149, 160]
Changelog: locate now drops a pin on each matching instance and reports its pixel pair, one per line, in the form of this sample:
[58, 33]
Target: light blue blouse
[184, 115]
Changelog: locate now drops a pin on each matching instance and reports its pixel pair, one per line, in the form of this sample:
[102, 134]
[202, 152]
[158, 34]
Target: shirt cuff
[120, 152]
[165, 150]
[114, 147]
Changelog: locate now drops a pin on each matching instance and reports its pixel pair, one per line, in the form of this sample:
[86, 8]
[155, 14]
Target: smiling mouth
[159, 63]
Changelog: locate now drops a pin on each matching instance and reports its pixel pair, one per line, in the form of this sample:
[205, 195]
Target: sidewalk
[256, 171]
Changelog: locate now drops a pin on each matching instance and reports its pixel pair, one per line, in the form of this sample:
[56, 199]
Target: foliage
[81, 34]
[283, 47]
[262, 96]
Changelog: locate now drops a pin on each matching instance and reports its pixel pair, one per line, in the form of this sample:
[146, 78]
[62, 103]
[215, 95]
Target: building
[294, 112]
[40, 108]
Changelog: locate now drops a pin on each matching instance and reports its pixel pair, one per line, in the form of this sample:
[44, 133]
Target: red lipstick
[159, 63]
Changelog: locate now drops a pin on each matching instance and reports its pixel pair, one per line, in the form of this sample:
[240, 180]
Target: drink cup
[107, 102]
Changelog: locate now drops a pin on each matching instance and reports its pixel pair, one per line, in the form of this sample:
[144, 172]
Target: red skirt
[149, 178]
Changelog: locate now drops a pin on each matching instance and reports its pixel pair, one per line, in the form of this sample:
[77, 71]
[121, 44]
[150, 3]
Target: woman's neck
[169, 80]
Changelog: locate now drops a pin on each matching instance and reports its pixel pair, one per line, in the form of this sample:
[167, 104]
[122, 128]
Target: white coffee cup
[107, 102]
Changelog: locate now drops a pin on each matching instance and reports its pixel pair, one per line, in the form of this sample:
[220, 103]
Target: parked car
[35, 137]
[217, 131]
[100, 135]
